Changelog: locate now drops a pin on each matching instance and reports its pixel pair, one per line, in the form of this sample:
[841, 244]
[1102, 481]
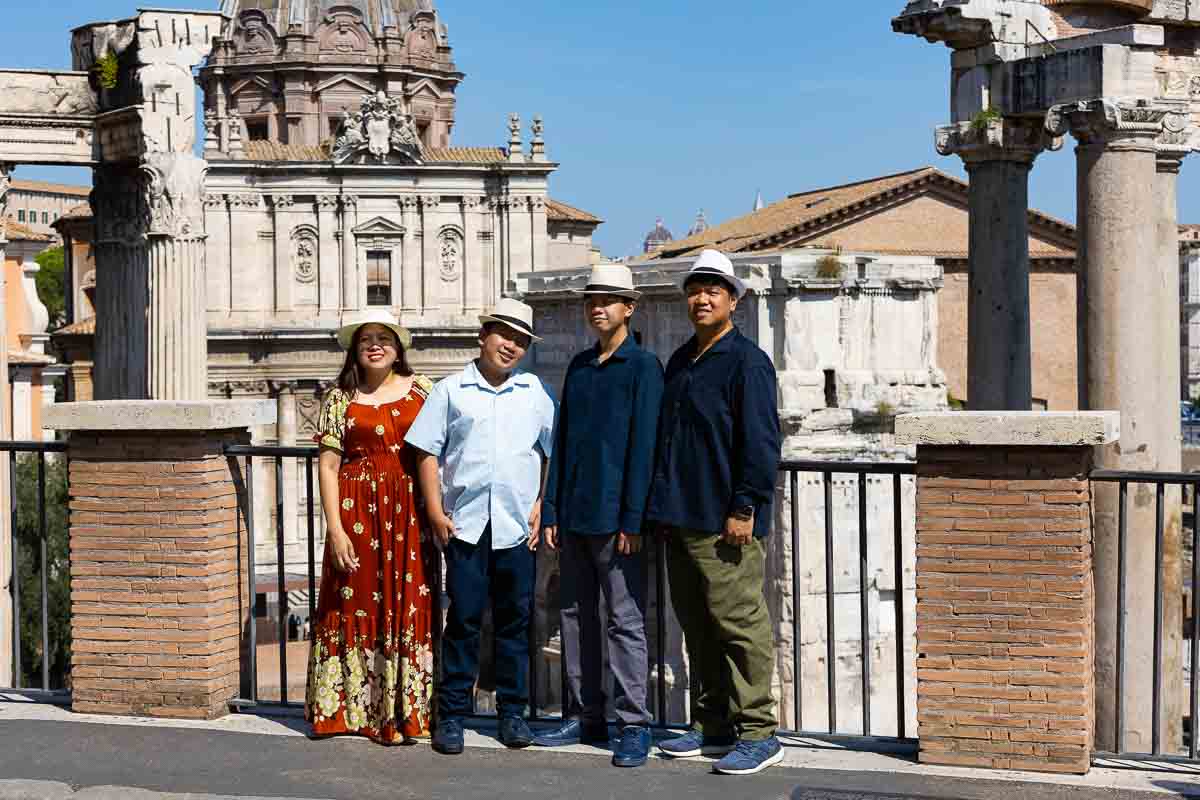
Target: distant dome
[700, 225]
[656, 238]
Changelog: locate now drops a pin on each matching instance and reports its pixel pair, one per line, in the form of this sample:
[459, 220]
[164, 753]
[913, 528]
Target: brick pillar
[1005, 617]
[159, 592]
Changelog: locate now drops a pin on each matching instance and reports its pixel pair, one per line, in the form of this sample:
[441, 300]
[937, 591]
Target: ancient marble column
[1121, 305]
[150, 313]
[998, 155]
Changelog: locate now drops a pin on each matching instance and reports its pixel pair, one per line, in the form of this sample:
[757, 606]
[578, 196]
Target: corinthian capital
[996, 139]
[1120, 125]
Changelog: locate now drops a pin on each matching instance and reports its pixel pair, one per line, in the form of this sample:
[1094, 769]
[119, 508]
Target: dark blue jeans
[476, 575]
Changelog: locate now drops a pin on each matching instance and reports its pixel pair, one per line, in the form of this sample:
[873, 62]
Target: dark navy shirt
[604, 442]
[718, 437]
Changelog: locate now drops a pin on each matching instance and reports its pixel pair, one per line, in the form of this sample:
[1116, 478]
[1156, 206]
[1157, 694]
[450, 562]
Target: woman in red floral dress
[371, 663]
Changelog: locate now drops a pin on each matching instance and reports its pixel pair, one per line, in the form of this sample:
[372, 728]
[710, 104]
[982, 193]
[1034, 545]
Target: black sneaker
[448, 737]
[573, 731]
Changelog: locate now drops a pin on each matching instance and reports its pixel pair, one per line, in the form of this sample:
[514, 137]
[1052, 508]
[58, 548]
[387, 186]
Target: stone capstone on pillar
[1005, 596]
[158, 597]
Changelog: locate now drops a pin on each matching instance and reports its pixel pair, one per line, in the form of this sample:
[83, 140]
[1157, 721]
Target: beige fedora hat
[714, 264]
[375, 316]
[614, 279]
[513, 313]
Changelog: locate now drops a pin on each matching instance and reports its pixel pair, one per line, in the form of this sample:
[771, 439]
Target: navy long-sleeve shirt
[604, 442]
[718, 437]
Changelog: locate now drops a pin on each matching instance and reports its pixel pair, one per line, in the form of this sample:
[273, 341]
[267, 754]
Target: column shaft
[999, 356]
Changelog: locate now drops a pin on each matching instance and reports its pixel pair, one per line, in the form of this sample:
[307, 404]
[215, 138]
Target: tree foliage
[58, 575]
[51, 285]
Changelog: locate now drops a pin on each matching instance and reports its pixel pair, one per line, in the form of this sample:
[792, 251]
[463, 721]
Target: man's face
[710, 303]
[607, 312]
[501, 347]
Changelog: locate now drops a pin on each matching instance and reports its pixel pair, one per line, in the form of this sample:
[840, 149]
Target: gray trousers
[590, 566]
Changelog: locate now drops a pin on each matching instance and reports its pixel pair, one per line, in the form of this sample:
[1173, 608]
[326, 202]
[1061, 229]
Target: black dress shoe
[574, 731]
[515, 733]
[448, 737]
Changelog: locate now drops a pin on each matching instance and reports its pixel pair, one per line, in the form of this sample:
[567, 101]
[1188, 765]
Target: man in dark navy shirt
[595, 499]
[714, 480]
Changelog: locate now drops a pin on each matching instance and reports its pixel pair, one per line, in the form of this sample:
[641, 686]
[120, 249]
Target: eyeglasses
[367, 342]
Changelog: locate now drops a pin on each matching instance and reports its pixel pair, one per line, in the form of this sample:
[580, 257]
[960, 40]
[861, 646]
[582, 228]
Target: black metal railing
[33, 526]
[1160, 481]
[253, 458]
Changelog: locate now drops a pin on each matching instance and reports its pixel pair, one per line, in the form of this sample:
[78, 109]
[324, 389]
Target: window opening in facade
[379, 278]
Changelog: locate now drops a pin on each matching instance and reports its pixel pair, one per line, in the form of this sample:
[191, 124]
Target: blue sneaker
[694, 743]
[750, 757]
[633, 748]
[515, 733]
[448, 737]
[574, 731]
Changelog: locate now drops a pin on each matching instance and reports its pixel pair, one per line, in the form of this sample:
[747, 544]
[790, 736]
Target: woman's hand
[342, 551]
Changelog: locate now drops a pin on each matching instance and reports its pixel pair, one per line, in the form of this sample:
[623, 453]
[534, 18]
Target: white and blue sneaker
[750, 757]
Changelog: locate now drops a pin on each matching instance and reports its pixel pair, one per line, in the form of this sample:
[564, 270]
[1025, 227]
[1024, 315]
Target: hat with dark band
[614, 279]
[514, 314]
[714, 264]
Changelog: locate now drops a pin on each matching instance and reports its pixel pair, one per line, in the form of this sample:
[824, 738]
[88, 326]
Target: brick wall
[156, 611]
[1005, 617]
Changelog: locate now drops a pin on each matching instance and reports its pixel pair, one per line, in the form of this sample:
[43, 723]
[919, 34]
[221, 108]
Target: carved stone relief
[382, 130]
[450, 248]
[304, 254]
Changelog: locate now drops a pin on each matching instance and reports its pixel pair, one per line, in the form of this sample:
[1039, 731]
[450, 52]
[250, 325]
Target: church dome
[658, 237]
[377, 15]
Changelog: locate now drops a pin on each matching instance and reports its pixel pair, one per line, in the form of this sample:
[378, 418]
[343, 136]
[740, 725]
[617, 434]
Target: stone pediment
[344, 82]
[380, 226]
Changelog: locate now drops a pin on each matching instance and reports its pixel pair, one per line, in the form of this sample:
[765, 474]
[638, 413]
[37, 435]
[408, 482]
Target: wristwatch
[745, 513]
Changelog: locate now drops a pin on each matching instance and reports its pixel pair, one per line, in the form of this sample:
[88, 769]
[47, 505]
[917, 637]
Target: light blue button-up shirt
[489, 442]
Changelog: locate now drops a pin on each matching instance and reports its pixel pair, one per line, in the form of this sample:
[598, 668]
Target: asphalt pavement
[61, 760]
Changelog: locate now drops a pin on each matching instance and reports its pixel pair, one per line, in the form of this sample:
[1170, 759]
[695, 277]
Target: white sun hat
[513, 313]
[375, 316]
[714, 263]
[614, 279]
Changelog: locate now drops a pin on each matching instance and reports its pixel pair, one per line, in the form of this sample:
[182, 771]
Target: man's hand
[443, 527]
[342, 551]
[738, 532]
[628, 543]
[535, 524]
[550, 534]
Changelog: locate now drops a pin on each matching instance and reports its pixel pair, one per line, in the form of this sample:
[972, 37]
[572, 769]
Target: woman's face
[376, 347]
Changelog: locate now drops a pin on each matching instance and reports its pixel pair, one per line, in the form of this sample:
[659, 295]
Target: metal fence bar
[831, 637]
[797, 665]
[15, 582]
[281, 581]
[898, 568]
[863, 609]
[1122, 543]
[42, 566]
[1156, 693]
[252, 653]
[660, 620]
[312, 545]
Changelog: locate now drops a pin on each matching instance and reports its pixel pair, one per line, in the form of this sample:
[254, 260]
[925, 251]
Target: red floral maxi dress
[370, 668]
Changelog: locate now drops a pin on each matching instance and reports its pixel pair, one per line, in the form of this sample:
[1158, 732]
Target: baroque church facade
[333, 185]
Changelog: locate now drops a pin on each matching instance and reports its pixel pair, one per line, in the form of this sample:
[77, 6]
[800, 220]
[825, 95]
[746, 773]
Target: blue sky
[660, 109]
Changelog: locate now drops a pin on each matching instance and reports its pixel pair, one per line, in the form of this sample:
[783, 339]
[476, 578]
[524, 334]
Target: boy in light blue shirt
[490, 429]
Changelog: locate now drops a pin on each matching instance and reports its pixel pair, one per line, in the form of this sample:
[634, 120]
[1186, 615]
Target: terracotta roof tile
[18, 232]
[561, 212]
[787, 220]
[85, 327]
[262, 150]
[50, 188]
